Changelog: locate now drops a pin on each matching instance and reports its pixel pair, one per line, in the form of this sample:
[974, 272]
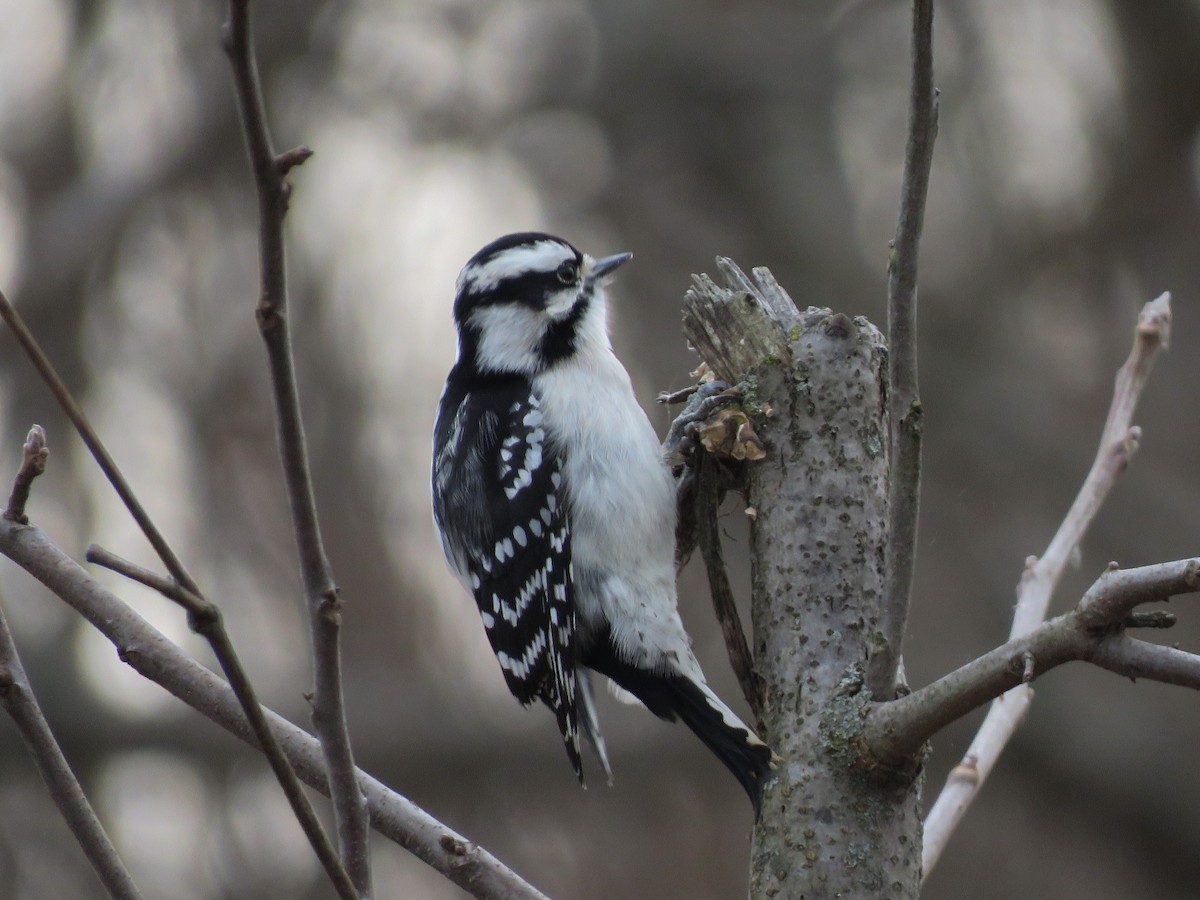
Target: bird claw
[703, 401]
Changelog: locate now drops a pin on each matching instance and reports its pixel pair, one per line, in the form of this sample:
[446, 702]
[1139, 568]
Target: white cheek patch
[508, 336]
[559, 303]
[544, 256]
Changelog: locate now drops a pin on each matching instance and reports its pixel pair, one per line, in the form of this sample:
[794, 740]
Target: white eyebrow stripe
[544, 256]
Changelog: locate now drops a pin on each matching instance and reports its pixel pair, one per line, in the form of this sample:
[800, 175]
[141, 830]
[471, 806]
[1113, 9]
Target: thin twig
[1117, 445]
[708, 533]
[1110, 601]
[20, 702]
[92, 440]
[324, 604]
[1118, 442]
[148, 652]
[904, 400]
[33, 464]
[1132, 658]
[205, 619]
[1093, 631]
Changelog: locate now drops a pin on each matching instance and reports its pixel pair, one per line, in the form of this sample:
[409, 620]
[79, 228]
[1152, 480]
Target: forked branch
[149, 653]
[203, 617]
[1094, 631]
[1118, 442]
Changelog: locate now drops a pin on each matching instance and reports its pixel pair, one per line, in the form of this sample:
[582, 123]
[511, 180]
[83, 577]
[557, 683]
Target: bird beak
[608, 264]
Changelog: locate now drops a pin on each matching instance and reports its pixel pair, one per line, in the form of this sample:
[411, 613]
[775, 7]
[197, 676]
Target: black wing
[499, 507]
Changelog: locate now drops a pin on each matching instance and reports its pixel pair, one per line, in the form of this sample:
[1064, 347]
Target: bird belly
[621, 507]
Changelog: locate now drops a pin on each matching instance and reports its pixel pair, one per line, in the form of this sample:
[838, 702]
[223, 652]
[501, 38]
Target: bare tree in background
[833, 545]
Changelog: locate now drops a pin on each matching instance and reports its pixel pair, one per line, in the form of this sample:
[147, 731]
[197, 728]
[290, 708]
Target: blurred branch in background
[203, 617]
[20, 702]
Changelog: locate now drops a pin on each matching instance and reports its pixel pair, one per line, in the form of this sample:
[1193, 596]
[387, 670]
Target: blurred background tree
[1064, 194]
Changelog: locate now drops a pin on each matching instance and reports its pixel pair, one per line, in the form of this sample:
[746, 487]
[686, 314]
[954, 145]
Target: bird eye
[568, 273]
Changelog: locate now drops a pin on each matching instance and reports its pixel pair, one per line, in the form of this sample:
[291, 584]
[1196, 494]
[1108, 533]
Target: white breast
[621, 503]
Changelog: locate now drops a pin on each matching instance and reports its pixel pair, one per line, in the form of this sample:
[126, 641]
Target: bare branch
[904, 401]
[1117, 444]
[92, 440]
[33, 464]
[205, 619]
[289, 159]
[740, 658]
[194, 605]
[1093, 631]
[19, 701]
[1115, 594]
[148, 652]
[896, 730]
[328, 708]
[1137, 659]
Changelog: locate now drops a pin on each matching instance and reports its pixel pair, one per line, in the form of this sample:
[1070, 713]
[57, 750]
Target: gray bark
[831, 825]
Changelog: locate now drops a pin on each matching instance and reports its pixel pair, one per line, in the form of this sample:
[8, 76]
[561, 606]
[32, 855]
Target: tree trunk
[815, 385]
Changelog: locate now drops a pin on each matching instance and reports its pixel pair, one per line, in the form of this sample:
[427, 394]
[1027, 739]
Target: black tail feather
[673, 697]
[743, 754]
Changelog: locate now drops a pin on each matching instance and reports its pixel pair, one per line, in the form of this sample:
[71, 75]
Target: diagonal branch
[92, 441]
[328, 707]
[208, 622]
[148, 652]
[1118, 442]
[18, 700]
[210, 619]
[205, 619]
[904, 401]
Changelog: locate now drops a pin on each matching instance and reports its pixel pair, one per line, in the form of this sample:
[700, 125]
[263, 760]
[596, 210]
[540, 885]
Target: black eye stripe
[532, 288]
[528, 288]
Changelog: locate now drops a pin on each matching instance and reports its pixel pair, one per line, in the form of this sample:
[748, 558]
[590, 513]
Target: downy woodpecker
[556, 509]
